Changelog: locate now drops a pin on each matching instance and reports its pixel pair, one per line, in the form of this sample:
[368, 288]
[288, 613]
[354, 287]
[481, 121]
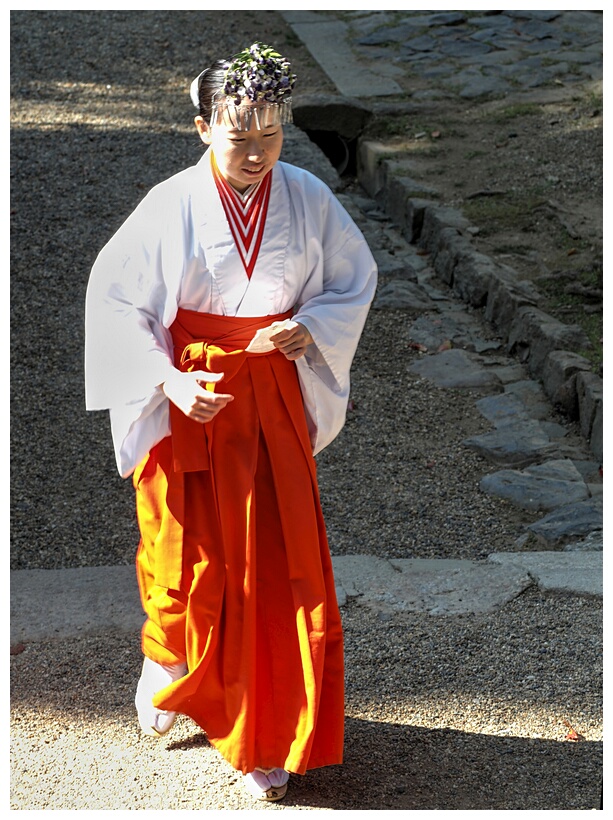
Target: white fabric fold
[176, 250]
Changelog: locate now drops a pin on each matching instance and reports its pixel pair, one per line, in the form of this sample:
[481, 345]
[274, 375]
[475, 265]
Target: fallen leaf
[17, 648]
[418, 346]
[571, 252]
[445, 346]
[435, 135]
[572, 733]
[422, 252]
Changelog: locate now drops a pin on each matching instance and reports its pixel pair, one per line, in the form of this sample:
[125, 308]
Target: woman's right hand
[188, 391]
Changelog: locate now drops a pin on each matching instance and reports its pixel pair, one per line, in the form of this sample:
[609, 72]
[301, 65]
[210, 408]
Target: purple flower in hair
[259, 73]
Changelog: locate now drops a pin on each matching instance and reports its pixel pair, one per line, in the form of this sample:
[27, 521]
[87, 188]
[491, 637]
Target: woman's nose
[255, 148]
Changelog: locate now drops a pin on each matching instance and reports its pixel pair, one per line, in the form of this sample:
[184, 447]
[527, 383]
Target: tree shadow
[394, 766]
[387, 765]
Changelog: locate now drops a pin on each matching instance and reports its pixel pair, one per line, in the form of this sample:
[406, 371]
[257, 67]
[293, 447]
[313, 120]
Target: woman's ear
[203, 129]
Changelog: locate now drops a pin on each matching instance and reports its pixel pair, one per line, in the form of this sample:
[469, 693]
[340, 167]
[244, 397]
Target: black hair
[210, 84]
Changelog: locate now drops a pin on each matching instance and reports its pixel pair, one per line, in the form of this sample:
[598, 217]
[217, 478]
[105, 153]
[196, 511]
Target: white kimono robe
[176, 250]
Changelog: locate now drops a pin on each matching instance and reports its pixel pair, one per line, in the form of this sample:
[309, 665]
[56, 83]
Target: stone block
[52, 604]
[596, 440]
[400, 294]
[449, 326]
[414, 217]
[502, 409]
[472, 276]
[560, 379]
[436, 219]
[530, 393]
[589, 396]
[554, 430]
[565, 398]
[569, 523]
[398, 191]
[590, 470]
[450, 247]
[531, 491]
[372, 170]
[533, 335]
[435, 586]
[513, 445]
[594, 542]
[556, 571]
[455, 368]
[506, 294]
[346, 116]
[398, 265]
[395, 200]
[558, 469]
[511, 373]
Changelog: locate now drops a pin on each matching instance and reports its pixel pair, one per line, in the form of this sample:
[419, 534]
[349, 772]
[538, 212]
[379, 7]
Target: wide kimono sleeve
[130, 303]
[334, 305]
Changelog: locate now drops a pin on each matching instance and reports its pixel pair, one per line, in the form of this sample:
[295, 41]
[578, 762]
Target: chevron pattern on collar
[246, 215]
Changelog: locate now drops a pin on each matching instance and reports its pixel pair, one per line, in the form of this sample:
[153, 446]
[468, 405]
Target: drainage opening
[340, 151]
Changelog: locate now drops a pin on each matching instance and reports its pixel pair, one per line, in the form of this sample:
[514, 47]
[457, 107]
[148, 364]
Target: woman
[221, 322]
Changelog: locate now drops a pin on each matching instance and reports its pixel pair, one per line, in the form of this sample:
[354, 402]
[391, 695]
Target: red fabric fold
[221, 352]
[255, 614]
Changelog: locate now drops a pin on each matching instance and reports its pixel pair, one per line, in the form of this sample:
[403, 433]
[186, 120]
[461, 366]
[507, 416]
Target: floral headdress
[257, 85]
[259, 73]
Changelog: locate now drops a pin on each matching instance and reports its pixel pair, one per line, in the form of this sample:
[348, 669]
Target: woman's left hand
[292, 341]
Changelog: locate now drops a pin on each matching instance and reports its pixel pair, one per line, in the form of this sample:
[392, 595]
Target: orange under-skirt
[233, 565]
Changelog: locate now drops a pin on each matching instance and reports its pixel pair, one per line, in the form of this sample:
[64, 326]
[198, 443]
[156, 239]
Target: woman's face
[243, 157]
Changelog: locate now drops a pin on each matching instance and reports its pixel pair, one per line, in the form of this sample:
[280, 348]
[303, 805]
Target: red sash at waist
[206, 341]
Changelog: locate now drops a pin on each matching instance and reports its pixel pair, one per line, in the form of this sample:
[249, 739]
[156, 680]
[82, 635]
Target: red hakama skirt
[233, 565]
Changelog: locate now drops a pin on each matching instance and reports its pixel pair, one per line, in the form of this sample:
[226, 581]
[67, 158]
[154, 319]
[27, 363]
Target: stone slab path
[470, 55]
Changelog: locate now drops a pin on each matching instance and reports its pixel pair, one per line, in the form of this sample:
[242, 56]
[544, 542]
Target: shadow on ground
[68, 713]
[390, 766]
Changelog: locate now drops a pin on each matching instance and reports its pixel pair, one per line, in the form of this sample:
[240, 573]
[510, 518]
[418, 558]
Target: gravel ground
[442, 712]
[73, 153]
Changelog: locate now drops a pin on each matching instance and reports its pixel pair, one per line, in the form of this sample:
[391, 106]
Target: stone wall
[549, 348]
